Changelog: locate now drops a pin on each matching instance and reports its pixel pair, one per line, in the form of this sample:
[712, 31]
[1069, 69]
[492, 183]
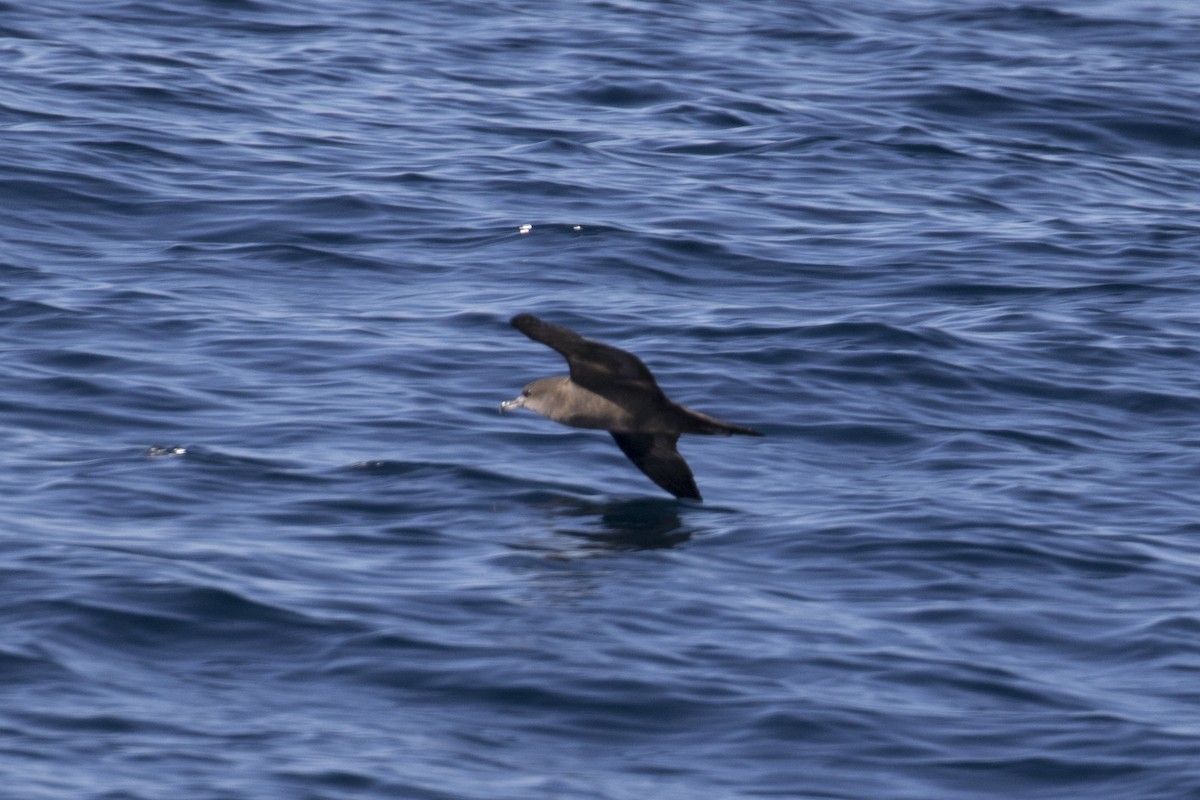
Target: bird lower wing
[655, 455]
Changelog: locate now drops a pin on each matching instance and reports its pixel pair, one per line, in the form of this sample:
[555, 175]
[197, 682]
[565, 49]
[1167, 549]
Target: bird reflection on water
[624, 525]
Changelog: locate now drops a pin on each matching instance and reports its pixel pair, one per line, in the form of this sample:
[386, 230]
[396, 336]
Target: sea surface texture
[266, 536]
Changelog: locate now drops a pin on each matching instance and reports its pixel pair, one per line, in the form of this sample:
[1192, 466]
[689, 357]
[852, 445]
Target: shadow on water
[638, 524]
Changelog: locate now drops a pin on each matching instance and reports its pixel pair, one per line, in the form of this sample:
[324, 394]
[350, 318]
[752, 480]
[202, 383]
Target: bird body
[568, 403]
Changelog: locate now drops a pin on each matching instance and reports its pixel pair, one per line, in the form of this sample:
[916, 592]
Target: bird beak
[509, 405]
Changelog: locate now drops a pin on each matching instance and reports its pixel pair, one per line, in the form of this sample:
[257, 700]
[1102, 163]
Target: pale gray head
[537, 396]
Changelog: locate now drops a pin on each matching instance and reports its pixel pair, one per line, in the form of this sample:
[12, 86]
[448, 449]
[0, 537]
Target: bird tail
[694, 422]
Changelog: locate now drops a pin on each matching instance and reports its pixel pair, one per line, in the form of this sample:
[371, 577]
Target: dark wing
[594, 366]
[655, 455]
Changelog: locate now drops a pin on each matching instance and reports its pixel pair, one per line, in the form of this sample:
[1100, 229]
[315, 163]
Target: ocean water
[265, 535]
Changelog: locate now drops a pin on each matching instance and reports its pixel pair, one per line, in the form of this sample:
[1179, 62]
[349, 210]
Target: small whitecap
[524, 229]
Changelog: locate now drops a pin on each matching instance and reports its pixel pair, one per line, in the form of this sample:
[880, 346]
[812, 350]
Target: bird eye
[525, 393]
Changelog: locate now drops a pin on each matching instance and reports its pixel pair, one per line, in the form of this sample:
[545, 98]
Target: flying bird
[612, 390]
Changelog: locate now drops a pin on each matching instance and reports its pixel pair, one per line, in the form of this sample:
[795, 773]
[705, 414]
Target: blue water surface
[265, 534]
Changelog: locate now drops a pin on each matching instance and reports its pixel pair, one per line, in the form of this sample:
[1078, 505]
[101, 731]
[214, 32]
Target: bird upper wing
[655, 455]
[598, 367]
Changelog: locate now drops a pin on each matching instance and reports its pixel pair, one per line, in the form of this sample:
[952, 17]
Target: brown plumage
[610, 389]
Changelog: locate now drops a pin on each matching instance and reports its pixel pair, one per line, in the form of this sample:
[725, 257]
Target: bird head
[534, 396]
